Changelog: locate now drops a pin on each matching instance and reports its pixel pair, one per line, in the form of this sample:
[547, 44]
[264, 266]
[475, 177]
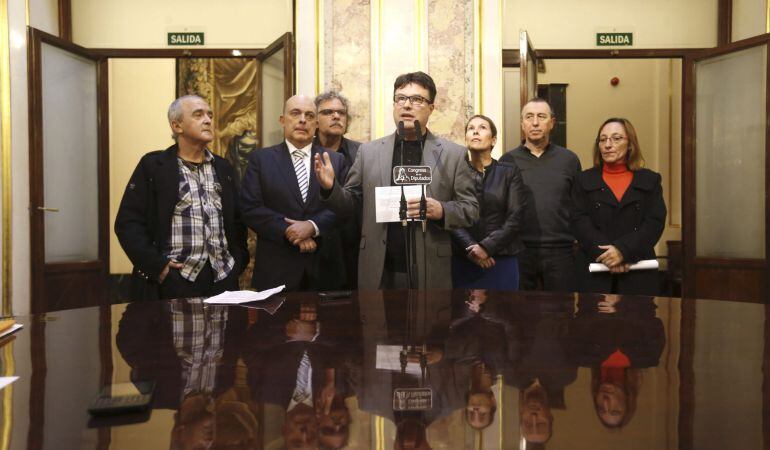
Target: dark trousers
[175, 286]
[547, 269]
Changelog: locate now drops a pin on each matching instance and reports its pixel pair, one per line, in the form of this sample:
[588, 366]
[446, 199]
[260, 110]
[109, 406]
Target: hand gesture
[324, 171]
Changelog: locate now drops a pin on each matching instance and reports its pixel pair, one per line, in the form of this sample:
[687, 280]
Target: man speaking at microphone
[450, 199]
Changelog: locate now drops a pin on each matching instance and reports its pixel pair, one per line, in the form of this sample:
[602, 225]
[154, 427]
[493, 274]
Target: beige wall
[137, 125]
[44, 15]
[749, 18]
[144, 23]
[574, 24]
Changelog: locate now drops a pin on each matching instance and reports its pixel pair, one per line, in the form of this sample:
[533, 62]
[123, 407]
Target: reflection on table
[397, 369]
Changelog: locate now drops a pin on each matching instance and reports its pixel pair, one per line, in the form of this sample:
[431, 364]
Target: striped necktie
[301, 171]
[303, 390]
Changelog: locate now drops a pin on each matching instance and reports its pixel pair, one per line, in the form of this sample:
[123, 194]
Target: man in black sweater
[548, 171]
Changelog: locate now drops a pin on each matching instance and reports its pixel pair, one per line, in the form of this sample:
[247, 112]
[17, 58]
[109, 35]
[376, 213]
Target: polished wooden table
[398, 369]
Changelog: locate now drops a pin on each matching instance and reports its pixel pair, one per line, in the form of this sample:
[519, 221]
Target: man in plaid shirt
[179, 221]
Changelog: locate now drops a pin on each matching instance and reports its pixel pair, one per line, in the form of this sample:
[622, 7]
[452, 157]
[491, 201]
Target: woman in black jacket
[485, 254]
[619, 214]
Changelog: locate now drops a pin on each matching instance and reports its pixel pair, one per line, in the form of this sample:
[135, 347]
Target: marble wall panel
[347, 59]
[444, 36]
[450, 63]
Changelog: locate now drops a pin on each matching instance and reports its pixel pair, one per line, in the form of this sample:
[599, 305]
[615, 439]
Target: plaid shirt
[198, 332]
[197, 227]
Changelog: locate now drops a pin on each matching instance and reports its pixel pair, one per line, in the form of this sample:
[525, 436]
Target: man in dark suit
[342, 248]
[280, 199]
[179, 220]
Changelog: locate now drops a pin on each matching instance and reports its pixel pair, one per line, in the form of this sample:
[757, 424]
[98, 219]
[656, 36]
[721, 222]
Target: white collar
[305, 150]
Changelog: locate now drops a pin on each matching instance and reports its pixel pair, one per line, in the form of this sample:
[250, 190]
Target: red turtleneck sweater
[618, 178]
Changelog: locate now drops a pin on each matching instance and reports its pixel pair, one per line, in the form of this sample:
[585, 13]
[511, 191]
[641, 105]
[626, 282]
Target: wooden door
[69, 225]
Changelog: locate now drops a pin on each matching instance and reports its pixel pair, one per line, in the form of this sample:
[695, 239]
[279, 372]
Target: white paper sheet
[388, 200]
[645, 264]
[13, 329]
[389, 358]
[5, 381]
[237, 297]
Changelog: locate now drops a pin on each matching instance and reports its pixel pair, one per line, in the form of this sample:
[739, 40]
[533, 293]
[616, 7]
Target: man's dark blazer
[270, 194]
[143, 222]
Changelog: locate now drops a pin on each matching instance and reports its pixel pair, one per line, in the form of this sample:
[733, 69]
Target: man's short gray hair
[175, 109]
[331, 95]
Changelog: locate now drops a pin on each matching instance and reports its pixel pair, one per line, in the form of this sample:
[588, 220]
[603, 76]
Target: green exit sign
[185, 39]
[614, 39]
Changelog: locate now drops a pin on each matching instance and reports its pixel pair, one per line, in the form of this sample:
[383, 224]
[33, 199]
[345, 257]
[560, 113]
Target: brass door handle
[45, 208]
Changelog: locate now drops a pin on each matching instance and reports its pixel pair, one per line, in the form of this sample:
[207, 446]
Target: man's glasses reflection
[411, 435]
[536, 420]
[481, 404]
[334, 425]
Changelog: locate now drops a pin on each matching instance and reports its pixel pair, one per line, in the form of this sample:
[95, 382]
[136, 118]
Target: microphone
[401, 131]
[418, 132]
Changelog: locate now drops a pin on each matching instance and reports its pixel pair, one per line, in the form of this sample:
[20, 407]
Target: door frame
[39, 268]
[750, 275]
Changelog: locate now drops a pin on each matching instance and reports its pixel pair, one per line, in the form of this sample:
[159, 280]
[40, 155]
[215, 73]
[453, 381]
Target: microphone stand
[423, 208]
[402, 214]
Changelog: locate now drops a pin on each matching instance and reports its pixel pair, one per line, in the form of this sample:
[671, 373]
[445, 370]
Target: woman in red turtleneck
[619, 213]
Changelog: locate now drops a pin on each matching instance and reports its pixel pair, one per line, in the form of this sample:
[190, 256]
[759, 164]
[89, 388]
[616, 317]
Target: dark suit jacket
[143, 222]
[633, 225]
[270, 193]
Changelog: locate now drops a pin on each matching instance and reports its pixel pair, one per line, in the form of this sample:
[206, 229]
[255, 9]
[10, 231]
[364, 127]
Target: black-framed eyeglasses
[415, 100]
[331, 112]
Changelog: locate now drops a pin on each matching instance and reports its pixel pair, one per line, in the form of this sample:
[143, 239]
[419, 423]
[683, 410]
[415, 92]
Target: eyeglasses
[415, 100]
[615, 139]
[542, 117]
[331, 112]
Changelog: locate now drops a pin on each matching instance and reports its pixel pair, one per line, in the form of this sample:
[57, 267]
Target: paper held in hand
[388, 200]
[237, 297]
[645, 264]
